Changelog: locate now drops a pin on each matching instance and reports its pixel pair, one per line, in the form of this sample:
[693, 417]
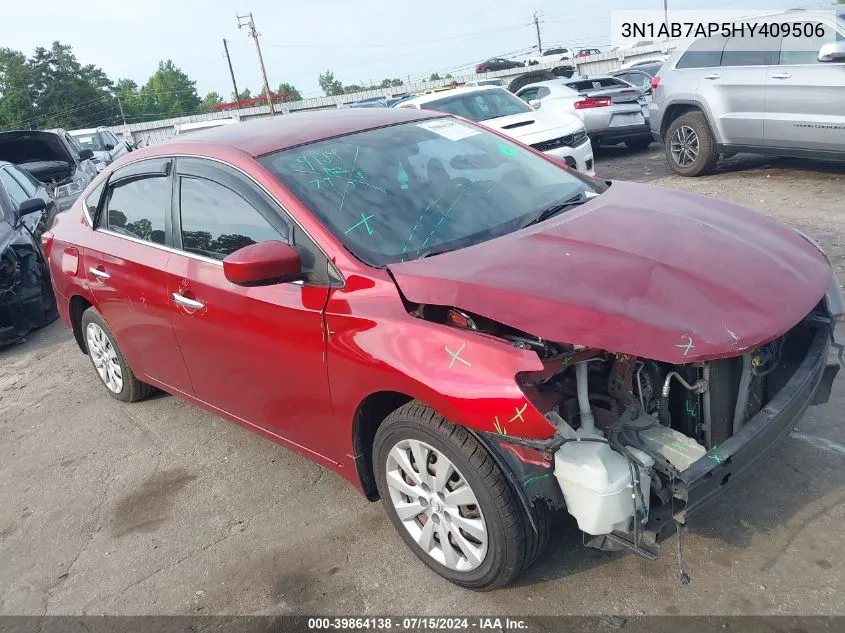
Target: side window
[138, 207]
[543, 92]
[529, 94]
[216, 221]
[804, 50]
[24, 180]
[750, 51]
[13, 188]
[702, 53]
[92, 203]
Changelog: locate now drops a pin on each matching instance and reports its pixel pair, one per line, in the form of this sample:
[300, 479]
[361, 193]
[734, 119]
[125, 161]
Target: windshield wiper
[548, 212]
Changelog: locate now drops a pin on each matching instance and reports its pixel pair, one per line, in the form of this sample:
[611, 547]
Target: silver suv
[783, 96]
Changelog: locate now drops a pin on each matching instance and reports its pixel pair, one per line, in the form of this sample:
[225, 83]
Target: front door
[736, 90]
[805, 98]
[126, 269]
[256, 353]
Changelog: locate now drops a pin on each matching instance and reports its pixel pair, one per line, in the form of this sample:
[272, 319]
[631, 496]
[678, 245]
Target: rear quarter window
[703, 53]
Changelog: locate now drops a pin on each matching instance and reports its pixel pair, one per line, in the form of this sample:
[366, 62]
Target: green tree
[17, 108]
[130, 98]
[329, 84]
[434, 77]
[396, 82]
[291, 90]
[448, 76]
[211, 99]
[169, 92]
[244, 94]
[68, 94]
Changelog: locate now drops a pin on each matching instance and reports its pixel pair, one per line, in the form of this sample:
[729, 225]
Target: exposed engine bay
[632, 427]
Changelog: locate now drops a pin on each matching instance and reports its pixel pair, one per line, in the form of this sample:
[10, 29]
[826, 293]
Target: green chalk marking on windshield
[507, 151]
[402, 177]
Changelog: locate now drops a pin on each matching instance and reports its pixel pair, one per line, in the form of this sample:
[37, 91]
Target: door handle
[188, 303]
[713, 76]
[781, 76]
[99, 274]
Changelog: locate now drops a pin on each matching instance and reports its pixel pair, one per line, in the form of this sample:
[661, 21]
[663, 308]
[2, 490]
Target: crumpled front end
[26, 296]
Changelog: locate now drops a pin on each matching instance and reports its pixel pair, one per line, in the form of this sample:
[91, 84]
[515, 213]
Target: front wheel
[451, 503]
[690, 146]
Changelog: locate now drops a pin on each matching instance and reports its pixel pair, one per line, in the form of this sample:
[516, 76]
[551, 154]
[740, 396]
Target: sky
[361, 41]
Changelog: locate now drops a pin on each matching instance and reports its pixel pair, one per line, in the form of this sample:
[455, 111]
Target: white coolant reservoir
[596, 484]
[681, 450]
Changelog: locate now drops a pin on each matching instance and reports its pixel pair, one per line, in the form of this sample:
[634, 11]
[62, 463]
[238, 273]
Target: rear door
[805, 98]
[125, 266]
[736, 91]
[257, 353]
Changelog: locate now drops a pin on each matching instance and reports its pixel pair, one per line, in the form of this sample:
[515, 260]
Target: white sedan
[558, 134]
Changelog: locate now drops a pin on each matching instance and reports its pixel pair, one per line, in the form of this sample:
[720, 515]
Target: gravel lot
[160, 508]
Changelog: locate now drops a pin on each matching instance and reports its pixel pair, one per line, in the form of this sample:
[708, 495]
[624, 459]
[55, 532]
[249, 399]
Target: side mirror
[86, 154]
[535, 103]
[33, 205]
[262, 264]
[109, 146]
[832, 52]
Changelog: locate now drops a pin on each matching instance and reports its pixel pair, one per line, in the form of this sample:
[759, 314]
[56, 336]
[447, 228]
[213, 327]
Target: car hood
[529, 125]
[640, 270]
[30, 146]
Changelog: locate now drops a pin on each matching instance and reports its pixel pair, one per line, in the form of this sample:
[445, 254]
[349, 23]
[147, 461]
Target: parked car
[431, 337]
[586, 52]
[611, 109]
[53, 158]
[485, 82]
[560, 54]
[105, 145]
[559, 134]
[26, 295]
[497, 63]
[647, 61]
[640, 77]
[776, 96]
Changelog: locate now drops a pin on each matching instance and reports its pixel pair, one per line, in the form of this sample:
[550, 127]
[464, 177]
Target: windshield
[481, 105]
[402, 192]
[91, 141]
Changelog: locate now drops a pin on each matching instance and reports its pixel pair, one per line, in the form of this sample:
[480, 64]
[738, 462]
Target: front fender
[469, 378]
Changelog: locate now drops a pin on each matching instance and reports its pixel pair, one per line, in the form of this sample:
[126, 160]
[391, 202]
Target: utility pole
[232, 73]
[120, 105]
[537, 26]
[666, 15]
[247, 21]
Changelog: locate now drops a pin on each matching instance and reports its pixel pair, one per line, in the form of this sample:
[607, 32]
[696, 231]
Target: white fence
[152, 132]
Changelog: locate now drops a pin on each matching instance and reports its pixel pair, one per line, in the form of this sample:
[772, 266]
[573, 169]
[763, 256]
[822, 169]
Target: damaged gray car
[53, 158]
[26, 295]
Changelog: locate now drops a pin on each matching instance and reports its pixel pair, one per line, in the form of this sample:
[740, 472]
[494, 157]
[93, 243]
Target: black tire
[512, 543]
[705, 162]
[133, 389]
[638, 144]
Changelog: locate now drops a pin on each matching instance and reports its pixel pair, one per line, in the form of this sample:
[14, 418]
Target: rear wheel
[690, 146]
[107, 359]
[451, 503]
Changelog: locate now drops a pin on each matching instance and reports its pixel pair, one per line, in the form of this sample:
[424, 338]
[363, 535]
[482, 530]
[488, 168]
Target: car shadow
[44, 337]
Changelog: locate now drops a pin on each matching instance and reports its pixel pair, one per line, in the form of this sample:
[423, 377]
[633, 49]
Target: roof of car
[262, 136]
[450, 93]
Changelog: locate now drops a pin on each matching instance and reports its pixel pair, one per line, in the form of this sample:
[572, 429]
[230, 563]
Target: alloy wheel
[436, 505]
[104, 357]
[684, 146]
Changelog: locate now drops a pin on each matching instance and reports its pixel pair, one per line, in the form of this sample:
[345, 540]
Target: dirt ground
[160, 508]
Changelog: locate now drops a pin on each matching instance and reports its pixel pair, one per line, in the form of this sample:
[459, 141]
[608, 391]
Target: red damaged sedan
[454, 322]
